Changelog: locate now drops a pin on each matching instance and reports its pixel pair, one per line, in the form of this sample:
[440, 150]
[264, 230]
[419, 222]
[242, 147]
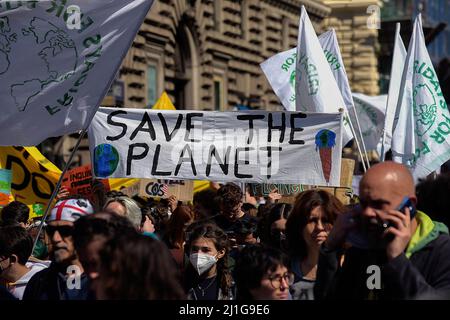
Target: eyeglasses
[275, 281]
[64, 231]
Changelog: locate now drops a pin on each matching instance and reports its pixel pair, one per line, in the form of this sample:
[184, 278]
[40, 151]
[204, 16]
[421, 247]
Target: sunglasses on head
[64, 231]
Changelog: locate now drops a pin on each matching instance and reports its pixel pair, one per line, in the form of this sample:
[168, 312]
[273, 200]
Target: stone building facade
[357, 32]
[206, 53]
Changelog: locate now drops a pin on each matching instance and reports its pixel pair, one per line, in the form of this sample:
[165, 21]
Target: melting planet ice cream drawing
[325, 141]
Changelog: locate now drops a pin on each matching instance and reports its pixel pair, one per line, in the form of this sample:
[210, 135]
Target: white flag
[280, 71]
[370, 111]
[317, 87]
[57, 61]
[330, 46]
[421, 137]
[398, 62]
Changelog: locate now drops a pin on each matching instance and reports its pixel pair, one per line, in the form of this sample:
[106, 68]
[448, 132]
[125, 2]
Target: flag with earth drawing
[421, 135]
[57, 60]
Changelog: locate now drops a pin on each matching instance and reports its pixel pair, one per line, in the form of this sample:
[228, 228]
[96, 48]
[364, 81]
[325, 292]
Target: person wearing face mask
[307, 227]
[60, 280]
[207, 276]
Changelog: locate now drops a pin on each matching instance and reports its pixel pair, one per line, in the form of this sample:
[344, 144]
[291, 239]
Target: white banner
[253, 146]
[421, 137]
[57, 60]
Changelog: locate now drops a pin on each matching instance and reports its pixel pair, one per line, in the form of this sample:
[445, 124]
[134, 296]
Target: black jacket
[425, 275]
[49, 284]
[5, 295]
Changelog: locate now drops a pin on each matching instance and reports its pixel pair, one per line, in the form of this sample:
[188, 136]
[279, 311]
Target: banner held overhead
[256, 146]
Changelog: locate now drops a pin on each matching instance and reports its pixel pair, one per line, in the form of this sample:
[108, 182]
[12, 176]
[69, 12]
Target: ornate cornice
[314, 7]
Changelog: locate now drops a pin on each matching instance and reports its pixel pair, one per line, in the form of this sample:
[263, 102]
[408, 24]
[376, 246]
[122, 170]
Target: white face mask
[202, 262]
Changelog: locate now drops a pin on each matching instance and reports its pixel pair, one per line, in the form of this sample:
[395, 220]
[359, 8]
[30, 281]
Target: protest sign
[78, 181]
[290, 191]
[182, 189]
[36, 210]
[132, 190]
[254, 146]
[33, 177]
[55, 73]
[5, 186]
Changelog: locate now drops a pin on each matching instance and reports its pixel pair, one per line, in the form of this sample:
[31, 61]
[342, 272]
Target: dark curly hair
[229, 196]
[253, 262]
[273, 213]
[14, 213]
[305, 202]
[15, 240]
[219, 238]
[206, 200]
[137, 267]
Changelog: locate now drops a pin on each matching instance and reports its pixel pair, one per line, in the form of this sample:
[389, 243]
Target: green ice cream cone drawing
[325, 141]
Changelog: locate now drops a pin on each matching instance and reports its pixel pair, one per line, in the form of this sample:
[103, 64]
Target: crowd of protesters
[230, 245]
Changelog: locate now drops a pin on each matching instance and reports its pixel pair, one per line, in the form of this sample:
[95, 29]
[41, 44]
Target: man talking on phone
[384, 248]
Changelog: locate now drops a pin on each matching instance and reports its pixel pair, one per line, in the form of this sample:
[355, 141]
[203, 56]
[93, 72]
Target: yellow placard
[34, 177]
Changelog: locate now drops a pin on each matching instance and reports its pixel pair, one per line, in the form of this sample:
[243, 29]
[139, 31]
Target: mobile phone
[406, 203]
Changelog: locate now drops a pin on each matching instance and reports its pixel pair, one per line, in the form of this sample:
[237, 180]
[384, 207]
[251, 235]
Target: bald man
[392, 250]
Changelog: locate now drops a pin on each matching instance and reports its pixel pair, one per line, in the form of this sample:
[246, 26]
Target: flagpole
[356, 140]
[361, 136]
[397, 45]
[58, 185]
[383, 139]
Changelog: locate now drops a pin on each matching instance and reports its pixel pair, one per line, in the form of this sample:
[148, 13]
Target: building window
[152, 85]
[218, 95]
[218, 15]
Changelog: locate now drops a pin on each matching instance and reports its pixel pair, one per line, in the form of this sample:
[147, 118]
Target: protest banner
[255, 146]
[421, 136]
[78, 181]
[5, 186]
[33, 176]
[54, 72]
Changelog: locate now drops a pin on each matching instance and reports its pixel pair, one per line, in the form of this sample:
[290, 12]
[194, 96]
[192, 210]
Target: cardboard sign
[182, 189]
[287, 190]
[5, 186]
[132, 190]
[342, 193]
[78, 181]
